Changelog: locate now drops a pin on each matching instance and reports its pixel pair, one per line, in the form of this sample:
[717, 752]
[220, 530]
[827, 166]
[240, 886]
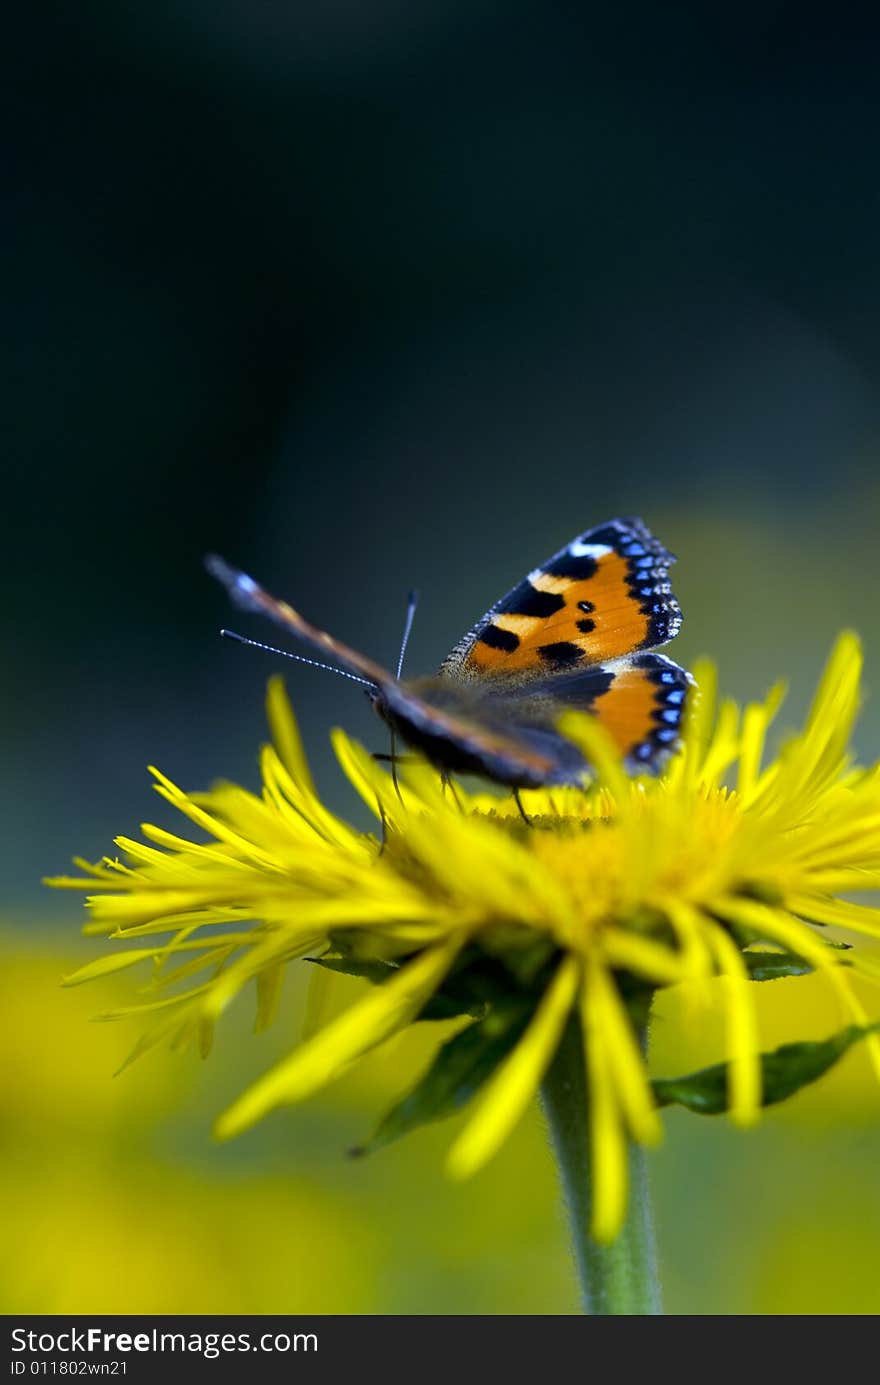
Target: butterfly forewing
[604, 596]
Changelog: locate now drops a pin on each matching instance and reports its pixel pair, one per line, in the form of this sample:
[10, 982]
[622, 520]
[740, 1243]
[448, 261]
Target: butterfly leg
[447, 785]
[384, 821]
[522, 812]
[394, 779]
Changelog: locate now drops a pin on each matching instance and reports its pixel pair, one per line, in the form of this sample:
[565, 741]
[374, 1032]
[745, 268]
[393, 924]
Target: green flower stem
[621, 1278]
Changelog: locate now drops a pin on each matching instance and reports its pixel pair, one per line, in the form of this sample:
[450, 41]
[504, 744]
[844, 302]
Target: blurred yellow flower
[722, 866]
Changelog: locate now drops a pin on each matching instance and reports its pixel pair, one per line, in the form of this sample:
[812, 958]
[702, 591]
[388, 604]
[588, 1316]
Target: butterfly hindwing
[604, 596]
[644, 708]
[640, 701]
[511, 735]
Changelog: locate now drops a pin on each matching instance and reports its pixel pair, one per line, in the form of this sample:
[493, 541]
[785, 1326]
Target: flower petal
[744, 1070]
[512, 1087]
[608, 1153]
[624, 1058]
[286, 737]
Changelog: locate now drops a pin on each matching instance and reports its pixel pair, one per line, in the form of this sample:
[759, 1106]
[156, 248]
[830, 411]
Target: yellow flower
[722, 865]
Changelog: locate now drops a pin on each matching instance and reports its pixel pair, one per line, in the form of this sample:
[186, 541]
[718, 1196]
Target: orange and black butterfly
[578, 632]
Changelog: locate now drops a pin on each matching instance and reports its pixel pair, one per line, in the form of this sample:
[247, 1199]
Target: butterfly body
[579, 632]
[468, 731]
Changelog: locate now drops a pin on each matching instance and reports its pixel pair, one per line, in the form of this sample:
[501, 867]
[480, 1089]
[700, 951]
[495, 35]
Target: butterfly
[579, 632]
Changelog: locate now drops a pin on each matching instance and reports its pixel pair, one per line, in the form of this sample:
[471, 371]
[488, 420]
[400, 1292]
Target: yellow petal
[624, 1058]
[269, 986]
[104, 966]
[317, 1006]
[184, 803]
[836, 912]
[800, 939]
[608, 1154]
[286, 736]
[744, 1064]
[756, 720]
[654, 961]
[724, 746]
[267, 954]
[147, 1008]
[322, 1058]
[699, 720]
[304, 815]
[375, 786]
[198, 850]
[687, 923]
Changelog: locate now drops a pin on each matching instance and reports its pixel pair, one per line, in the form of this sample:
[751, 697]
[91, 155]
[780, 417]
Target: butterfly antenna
[300, 658]
[411, 604]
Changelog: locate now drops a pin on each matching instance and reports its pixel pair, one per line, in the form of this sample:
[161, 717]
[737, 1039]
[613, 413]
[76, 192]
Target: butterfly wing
[605, 596]
[510, 735]
[446, 725]
[505, 727]
[466, 738]
[640, 701]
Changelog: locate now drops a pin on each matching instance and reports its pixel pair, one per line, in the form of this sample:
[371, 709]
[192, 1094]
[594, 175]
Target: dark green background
[373, 295]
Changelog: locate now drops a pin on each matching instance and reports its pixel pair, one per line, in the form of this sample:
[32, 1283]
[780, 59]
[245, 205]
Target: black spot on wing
[526, 600]
[496, 638]
[586, 606]
[586, 625]
[562, 654]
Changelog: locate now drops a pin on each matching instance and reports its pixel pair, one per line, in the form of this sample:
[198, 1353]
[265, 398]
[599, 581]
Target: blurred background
[368, 296]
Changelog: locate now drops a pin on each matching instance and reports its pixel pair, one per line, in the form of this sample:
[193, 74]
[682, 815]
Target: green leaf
[476, 983]
[445, 1007]
[480, 982]
[372, 970]
[770, 966]
[766, 965]
[516, 951]
[458, 1071]
[448, 1003]
[785, 1070]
